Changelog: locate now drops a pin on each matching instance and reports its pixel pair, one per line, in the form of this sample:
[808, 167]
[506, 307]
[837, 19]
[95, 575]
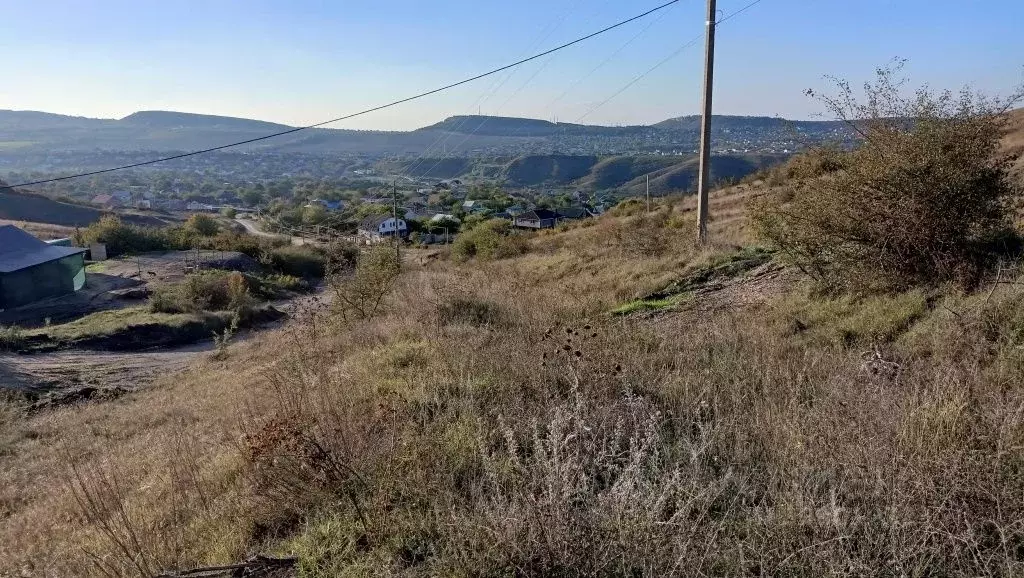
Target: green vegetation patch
[133, 328]
[493, 239]
[722, 266]
[848, 320]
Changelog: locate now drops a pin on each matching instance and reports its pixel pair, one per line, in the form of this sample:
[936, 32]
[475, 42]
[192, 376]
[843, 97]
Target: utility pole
[648, 193]
[705, 127]
[398, 244]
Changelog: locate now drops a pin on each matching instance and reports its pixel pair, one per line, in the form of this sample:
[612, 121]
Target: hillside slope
[496, 419]
[15, 206]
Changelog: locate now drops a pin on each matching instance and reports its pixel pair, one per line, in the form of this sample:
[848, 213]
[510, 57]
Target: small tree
[359, 294]
[924, 198]
[203, 225]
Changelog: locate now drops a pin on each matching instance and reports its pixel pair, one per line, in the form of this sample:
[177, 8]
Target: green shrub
[361, 294]
[493, 239]
[298, 261]
[122, 238]
[206, 291]
[203, 225]
[811, 164]
[285, 282]
[250, 245]
[926, 200]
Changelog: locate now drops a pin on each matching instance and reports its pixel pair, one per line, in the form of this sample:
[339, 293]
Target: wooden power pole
[705, 127]
[398, 242]
[648, 193]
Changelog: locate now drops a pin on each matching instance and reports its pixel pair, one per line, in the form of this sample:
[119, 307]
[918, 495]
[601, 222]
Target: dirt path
[252, 229]
[64, 372]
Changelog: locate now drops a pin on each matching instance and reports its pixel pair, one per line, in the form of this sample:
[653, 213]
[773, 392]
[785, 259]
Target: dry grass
[43, 231]
[494, 419]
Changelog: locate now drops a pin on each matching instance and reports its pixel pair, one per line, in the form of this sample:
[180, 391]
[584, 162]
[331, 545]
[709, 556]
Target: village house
[547, 219]
[329, 205]
[536, 219]
[379, 227]
[106, 201]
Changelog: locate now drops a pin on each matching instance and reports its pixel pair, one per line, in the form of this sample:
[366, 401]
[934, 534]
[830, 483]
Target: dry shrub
[361, 293]
[925, 198]
[204, 291]
[644, 235]
[468, 309]
[298, 261]
[814, 163]
[606, 450]
[12, 417]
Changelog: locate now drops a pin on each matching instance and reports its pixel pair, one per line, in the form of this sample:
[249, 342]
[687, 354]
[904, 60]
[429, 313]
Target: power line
[363, 112]
[606, 60]
[443, 139]
[640, 77]
[541, 68]
[668, 58]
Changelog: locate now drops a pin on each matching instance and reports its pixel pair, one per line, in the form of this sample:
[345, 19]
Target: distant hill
[179, 120]
[528, 127]
[548, 169]
[761, 123]
[494, 126]
[27, 132]
[624, 173]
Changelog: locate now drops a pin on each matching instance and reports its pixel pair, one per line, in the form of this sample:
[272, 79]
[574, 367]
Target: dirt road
[252, 229]
[65, 372]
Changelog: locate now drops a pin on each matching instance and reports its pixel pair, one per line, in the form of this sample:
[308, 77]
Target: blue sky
[303, 61]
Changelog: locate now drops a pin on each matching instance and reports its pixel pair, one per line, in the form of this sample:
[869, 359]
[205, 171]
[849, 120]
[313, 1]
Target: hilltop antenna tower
[705, 127]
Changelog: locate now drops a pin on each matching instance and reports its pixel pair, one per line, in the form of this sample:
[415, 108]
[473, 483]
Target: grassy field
[495, 418]
[119, 324]
[44, 231]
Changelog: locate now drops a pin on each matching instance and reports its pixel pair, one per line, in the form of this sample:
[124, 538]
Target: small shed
[31, 270]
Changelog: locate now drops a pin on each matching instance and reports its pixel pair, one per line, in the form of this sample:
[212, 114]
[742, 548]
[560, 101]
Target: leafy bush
[298, 261]
[203, 225]
[122, 238]
[361, 294]
[250, 245]
[493, 239]
[812, 164]
[206, 291]
[926, 198]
